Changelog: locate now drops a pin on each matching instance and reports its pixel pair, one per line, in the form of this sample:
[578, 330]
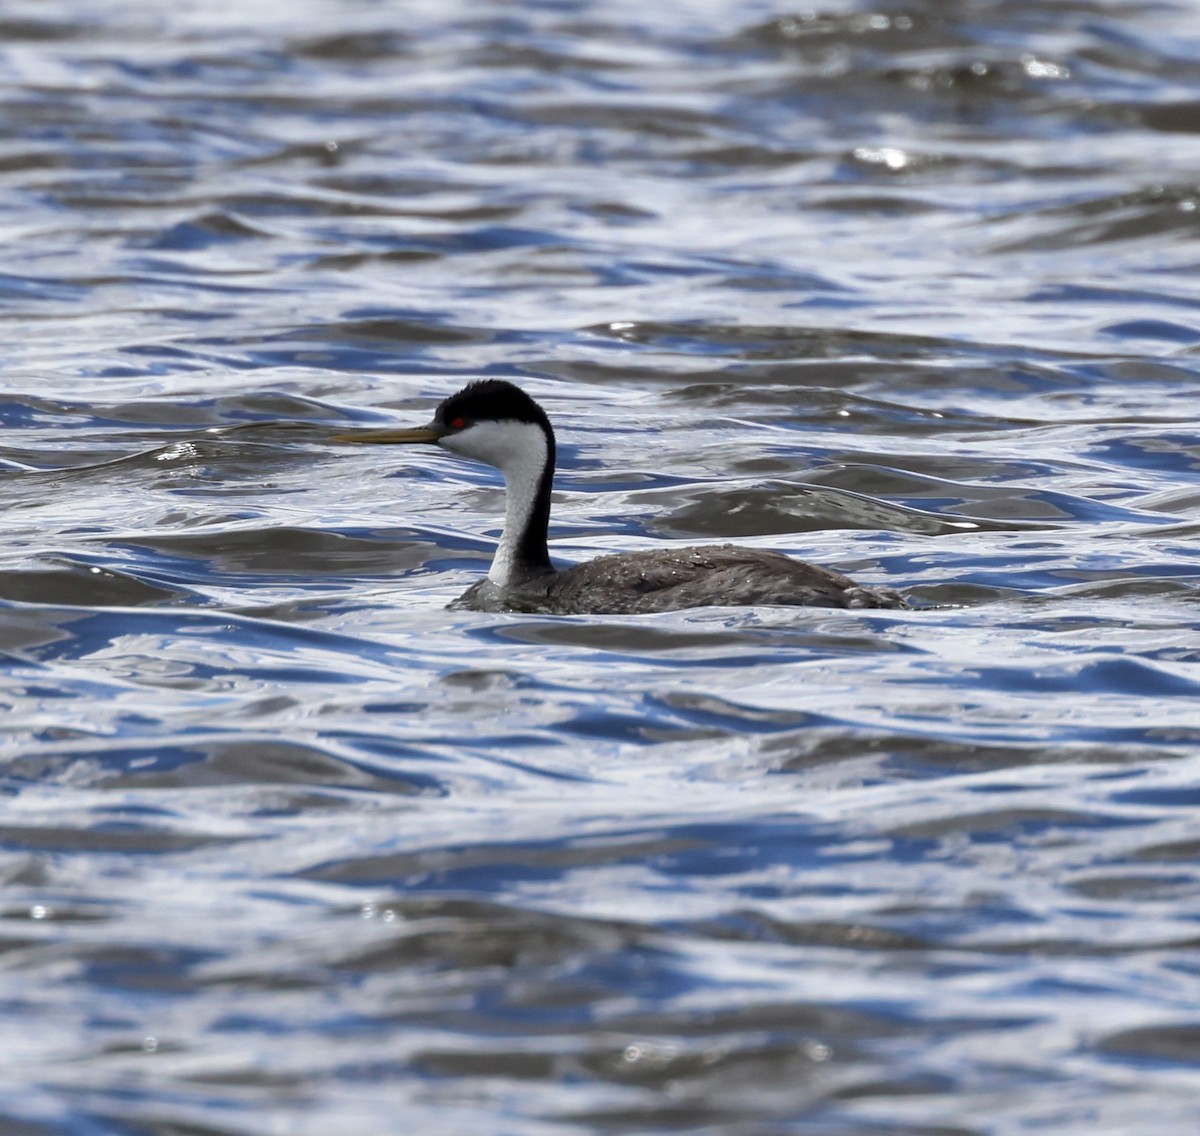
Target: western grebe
[497, 423]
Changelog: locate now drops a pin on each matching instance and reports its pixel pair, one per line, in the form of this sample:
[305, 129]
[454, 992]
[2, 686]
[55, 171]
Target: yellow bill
[393, 437]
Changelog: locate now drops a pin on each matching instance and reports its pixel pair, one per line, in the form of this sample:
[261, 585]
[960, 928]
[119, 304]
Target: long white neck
[519, 450]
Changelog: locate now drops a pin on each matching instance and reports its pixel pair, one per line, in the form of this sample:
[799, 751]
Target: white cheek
[506, 445]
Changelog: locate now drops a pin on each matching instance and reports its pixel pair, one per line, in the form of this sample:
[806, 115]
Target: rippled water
[909, 290]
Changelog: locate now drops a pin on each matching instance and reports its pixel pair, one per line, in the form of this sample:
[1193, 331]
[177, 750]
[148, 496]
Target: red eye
[456, 423]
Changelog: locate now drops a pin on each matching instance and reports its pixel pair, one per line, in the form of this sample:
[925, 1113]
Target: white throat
[518, 451]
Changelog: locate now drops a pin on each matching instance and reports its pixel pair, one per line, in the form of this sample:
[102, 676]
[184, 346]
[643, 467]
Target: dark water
[908, 290]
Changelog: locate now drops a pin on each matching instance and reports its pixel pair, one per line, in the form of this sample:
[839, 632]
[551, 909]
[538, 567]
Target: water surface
[910, 291]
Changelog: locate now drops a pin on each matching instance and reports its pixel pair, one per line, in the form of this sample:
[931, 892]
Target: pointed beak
[409, 436]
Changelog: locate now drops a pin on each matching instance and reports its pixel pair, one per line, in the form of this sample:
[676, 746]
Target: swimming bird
[495, 422]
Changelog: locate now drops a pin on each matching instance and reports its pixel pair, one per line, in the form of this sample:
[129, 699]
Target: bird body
[668, 579]
[496, 422]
